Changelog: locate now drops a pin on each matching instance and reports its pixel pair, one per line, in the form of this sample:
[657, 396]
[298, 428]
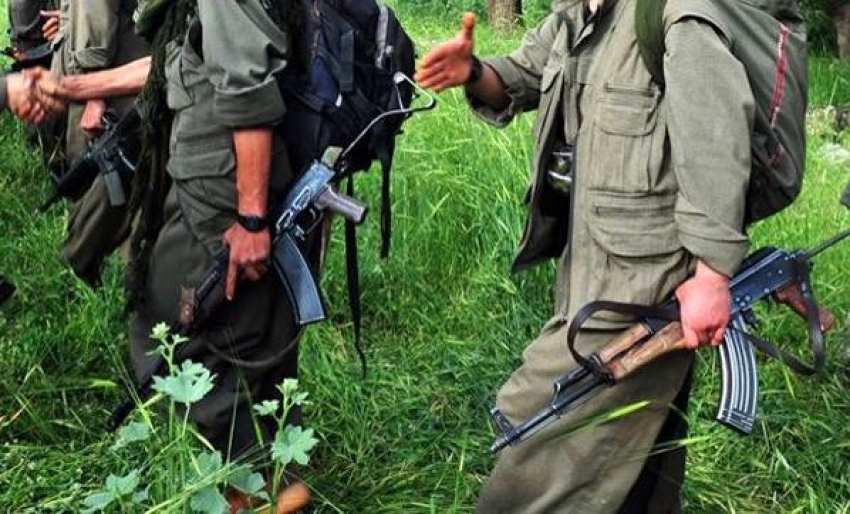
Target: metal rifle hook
[398, 78]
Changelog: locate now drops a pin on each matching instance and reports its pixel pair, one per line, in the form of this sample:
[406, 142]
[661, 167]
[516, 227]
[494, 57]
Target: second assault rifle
[112, 155]
[768, 272]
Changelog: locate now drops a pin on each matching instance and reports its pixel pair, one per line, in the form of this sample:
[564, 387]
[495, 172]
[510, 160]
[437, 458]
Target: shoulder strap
[649, 27]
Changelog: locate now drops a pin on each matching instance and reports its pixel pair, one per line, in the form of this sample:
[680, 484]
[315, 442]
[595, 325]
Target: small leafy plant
[178, 469]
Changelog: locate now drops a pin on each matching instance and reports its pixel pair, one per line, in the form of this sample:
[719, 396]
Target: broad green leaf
[97, 502]
[131, 433]
[209, 464]
[289, 386]
[300, 397]
[188, 385]
[160, 332]
[247, 481]
[267, 408]
[209, 501]
[293, 444]
[123, 486]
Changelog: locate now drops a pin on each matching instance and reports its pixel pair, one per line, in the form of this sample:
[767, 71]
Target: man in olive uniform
[94, 36]
[655, 207]
[227, 168]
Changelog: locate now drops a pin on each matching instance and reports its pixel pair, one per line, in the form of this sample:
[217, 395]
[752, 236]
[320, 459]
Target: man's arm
[507, 85]
[710, 115]
[243, 49]
[125, 80]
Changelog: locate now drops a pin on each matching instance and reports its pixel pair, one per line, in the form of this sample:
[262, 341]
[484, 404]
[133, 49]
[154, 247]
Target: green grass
[445, 324]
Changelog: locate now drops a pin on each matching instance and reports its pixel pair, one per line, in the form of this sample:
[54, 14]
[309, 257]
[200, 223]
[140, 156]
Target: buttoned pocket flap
[627, 112]
[634, 226]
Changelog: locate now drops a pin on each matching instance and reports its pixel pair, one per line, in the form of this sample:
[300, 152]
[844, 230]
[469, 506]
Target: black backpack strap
[649, 27]
[352, 273]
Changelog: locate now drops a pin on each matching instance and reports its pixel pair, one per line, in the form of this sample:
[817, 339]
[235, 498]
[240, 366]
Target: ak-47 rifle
[106, 156]
[768, 272]
[7, 289]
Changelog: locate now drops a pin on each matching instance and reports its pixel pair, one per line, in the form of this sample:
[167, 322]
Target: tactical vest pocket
[635, 255]
[627, 144]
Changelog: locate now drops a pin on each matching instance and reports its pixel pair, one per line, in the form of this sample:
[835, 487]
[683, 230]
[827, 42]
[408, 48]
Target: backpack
[768, 38]
[343, 74]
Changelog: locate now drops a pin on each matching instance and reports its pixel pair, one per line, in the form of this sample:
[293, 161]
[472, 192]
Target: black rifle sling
[669, 311]
[352, 272]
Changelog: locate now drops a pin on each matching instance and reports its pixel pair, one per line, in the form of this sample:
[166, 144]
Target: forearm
[124, 80]
[489, 89]
[253, 148]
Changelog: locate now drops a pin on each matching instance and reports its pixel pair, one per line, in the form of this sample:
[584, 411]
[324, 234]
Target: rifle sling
[669, 311]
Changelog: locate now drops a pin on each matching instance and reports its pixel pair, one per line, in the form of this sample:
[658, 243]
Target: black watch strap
[253, 223]
[476, 70]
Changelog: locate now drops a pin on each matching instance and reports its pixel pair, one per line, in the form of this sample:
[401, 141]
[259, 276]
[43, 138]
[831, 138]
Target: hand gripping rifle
[106, 156]
[767, 273]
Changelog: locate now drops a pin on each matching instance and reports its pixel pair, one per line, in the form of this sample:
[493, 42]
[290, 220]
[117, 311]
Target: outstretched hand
[449, 63]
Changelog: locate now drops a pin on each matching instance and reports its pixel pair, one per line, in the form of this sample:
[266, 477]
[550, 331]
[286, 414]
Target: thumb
[719, 335]
[691, 338]
[467, 26]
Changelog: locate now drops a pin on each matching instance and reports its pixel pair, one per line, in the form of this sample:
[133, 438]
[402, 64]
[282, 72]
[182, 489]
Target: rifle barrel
[832, 241]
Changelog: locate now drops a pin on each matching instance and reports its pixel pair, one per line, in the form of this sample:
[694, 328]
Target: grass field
[445, 324]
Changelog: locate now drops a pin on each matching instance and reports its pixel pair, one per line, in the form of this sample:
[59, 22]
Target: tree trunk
[841, 17]
[504, 14]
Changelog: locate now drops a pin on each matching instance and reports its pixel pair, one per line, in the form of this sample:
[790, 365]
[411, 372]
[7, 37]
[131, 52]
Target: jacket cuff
[90, 59]
[250, 107]
[514, 87]
[718, 245]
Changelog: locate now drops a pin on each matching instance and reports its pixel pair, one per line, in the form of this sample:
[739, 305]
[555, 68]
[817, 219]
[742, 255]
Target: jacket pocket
[208, 156]
[627, 145]
[635, 252]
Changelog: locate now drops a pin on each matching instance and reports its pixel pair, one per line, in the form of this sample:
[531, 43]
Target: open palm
[448, 64]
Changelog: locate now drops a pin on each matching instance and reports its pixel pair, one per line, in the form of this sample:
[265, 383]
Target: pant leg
[593, 469]
[95, 230]
[658, 489]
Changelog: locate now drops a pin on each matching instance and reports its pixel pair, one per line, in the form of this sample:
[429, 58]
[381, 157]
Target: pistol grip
[298, 279]
[792, 296]
[114, 187]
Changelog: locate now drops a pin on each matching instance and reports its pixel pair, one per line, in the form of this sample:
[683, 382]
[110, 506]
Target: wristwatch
[253, 224]
[475, 71]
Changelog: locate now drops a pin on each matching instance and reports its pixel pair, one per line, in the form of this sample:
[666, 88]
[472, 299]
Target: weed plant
[444, 323]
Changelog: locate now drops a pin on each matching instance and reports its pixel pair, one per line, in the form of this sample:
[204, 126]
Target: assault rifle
[767, 273]
[40, 55]
[106, 156]
[292, 220]
[7, 289]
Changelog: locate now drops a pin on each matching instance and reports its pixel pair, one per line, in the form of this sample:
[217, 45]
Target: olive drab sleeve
[95, 34]
[520, 72]
[710, 115]
[242, 69]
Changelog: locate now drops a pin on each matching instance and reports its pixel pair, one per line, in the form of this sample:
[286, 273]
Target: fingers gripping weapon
[768, 273]
[113, 155]
[300, 212]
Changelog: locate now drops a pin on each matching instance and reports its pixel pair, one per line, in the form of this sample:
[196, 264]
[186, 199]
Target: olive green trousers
[602, 468]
